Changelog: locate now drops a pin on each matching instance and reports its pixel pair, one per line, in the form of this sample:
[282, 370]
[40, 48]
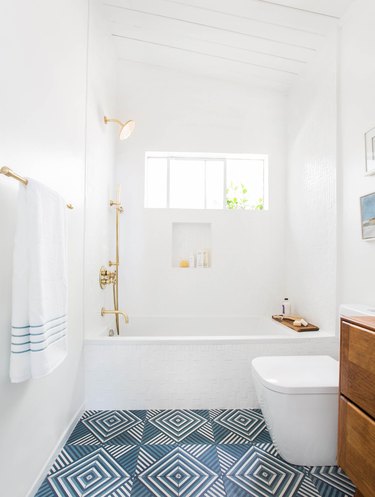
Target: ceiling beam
[246, 18]
[205, 54]
[250, 50]
[307, 11]
[209, 26]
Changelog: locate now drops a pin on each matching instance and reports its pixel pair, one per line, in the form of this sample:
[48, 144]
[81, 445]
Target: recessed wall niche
[191, 245]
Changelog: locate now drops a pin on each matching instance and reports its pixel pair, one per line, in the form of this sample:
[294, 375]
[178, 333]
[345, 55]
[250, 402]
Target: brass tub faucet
[116, 313]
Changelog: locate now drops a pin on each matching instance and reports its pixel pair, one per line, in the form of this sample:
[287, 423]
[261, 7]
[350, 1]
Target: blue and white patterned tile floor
[182, 453]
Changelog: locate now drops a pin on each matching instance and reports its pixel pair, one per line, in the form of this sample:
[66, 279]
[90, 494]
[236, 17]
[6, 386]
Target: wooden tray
[299, 329]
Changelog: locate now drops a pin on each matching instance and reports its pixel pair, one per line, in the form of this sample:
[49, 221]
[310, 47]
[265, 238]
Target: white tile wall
[144, 376]
[178, 112]
[311, 192]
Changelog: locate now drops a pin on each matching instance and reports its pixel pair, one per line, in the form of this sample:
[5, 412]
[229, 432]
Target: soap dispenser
[286, 307]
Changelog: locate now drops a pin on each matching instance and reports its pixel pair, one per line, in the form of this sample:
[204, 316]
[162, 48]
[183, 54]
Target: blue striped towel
[39, 304]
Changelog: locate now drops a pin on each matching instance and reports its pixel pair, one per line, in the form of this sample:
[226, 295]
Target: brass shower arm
[108, 120]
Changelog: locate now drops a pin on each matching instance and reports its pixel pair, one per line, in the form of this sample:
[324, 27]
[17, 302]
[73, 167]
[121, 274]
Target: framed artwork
[370, 151]
[368, 216]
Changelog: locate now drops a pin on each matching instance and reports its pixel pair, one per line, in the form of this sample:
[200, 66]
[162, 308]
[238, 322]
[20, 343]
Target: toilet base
[303, 427]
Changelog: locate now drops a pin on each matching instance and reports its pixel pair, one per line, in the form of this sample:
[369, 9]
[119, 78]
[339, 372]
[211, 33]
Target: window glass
[156, 182]
[214, 184]
[186, 184]
[245, 185]
[214, 181]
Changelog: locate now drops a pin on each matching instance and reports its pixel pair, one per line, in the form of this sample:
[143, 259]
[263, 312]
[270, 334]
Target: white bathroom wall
[311, 191]
[179, 112]
[101, 141]
[357, 115]
[43, 53]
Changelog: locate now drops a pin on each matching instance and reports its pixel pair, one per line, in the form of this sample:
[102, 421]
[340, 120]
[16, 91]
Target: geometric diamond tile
[333, 477]
[45, 490]
[182, 453]
[246, 423]
[178, 473]
[261, 474]
[308, 489]
[96, 474]
[106, 425]
[124, 455]
[178, 424]
[230, 454]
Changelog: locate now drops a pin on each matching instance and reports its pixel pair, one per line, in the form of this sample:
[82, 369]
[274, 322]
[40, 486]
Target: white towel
[39, 307]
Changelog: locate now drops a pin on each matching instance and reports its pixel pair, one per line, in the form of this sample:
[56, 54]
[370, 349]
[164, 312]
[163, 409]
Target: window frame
[207, 157]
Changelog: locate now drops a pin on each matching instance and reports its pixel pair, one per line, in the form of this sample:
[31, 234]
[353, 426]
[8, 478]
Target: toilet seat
[297, 375]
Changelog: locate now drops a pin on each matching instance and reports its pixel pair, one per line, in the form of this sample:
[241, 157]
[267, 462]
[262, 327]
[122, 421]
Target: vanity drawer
[356, 454]
[357, 368]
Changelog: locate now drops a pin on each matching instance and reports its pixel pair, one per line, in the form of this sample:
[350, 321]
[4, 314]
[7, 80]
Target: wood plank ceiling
[264, 42]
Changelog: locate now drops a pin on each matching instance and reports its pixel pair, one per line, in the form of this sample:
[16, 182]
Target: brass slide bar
[11, 174]
[107, 277]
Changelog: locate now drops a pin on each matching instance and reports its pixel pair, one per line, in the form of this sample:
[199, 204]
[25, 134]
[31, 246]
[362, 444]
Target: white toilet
[299, 399]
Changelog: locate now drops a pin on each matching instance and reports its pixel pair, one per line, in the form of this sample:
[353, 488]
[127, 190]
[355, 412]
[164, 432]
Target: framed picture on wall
[370, 151]
[368, 216]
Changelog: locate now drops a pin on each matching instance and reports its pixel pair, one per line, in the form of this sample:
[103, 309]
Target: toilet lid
[298, 374]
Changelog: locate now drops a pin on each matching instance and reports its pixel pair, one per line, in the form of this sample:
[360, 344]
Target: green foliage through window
[236, 197]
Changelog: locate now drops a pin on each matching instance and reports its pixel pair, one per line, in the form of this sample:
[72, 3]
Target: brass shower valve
[106, 277]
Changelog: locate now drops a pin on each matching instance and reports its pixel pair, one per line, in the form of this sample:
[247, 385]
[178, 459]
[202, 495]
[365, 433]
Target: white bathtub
[188, 362]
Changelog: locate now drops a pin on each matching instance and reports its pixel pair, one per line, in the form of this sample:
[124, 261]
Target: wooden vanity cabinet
[356, 431]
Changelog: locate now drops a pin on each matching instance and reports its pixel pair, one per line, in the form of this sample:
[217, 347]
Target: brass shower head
[126, 129]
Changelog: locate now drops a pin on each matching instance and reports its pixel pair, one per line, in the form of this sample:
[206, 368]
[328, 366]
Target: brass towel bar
[11, 174]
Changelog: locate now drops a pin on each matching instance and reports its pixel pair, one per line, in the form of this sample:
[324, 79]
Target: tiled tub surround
[202, 370]
[182, 453]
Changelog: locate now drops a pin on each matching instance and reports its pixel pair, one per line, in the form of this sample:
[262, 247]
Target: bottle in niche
[286, 307]
[205, 258]
[192, 260]
[202, 258]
